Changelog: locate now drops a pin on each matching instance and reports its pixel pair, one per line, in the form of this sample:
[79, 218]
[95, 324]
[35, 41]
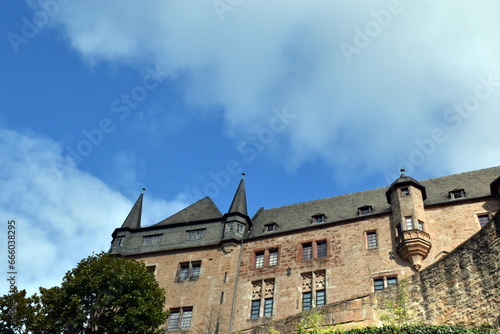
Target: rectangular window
[383, 282]
[378, 284]
[420, 225]
[313, 289]
[195, 235]
[371, 240]
[259, 259]
[321, 248]
[320, 298]
[456, 194]
[315, 249]
[392, 281]
[229, 227]
[240, 228]
[306, 301]
[273, 257]
[271, 227]
[117, 242]
[307, 251]
[268, 307]
[262, 298]
[405, 191]
[180, 318]
[483, 220]
[151, 240]
[318, 219]
[189, 271]
[254, 313]
[364, 210]
[409, 223]
[151, 269]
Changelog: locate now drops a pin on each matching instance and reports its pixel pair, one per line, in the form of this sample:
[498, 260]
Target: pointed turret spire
[239, 203]
[133, 219]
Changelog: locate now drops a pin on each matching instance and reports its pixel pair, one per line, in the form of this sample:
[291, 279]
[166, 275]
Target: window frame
[318, 219]
[182, 316]
[453, 194]
[312, 295]
[194, 235]
[365, 210]
[308, 250]
[263, 305]
[481, 217]
[263, 258]
[151, 240]
[188, 271]
[405, 191]
[118, 241]
[383, 282]
[371, 238]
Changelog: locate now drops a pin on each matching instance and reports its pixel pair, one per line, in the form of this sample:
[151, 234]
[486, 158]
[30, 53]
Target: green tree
[17, 312]
[103, 294]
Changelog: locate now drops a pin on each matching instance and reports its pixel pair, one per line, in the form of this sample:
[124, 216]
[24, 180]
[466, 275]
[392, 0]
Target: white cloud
[62, 214]
[413, 65]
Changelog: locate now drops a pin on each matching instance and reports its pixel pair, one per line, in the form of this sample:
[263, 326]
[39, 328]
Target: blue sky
[99, 99]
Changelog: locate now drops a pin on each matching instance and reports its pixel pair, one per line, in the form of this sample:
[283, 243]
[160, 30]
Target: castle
[228, 272]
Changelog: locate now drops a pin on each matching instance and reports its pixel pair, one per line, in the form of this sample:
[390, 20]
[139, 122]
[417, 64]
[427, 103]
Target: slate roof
[133, 219]
[345, 207]
[239, 204]
[204, 209]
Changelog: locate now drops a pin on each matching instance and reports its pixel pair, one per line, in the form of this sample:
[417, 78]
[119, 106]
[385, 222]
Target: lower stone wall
[462, 288]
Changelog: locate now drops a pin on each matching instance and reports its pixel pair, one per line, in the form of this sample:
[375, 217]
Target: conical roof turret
[133, 219]
[239, 204]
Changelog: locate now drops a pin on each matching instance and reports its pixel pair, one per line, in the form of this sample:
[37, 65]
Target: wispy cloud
[365, 113]
[62, 213]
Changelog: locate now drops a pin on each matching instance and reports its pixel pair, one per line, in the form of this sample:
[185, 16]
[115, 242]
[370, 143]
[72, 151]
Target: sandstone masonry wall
[461, 288]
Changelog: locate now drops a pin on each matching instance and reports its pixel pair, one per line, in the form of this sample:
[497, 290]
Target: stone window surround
[314, 243]
[384, 278]
[267, 255]
[371, 239]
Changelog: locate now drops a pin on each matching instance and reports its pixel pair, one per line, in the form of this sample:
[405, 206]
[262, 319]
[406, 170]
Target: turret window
[405, 191]
[151, 240]
[409, 223]
[117, 242]
[240, 228]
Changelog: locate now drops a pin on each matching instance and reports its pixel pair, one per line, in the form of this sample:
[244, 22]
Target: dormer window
[456, 194]
[365, 210]
[270, 227]
[151, 240]
[319, 218]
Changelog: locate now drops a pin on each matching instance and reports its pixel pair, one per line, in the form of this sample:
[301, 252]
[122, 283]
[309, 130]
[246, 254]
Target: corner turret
[236, 221]
[406, 196]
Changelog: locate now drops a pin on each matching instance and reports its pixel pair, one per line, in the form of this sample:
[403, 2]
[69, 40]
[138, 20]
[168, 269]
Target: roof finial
[402, 170]
[242, 176]
[143, 190]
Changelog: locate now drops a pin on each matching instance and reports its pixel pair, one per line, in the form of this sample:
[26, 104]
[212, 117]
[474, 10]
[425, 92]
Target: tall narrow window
[306, 301]
[259, 259]
[320, 298]
[321, 248]
[409, 223]
[420, 225]
[307, 251]
[273, 257]
[262, 298]
[371, 240]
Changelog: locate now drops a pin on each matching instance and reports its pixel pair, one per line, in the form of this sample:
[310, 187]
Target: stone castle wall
[461, 288]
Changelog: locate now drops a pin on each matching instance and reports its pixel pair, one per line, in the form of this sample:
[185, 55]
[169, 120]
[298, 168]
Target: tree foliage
[103, 294]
